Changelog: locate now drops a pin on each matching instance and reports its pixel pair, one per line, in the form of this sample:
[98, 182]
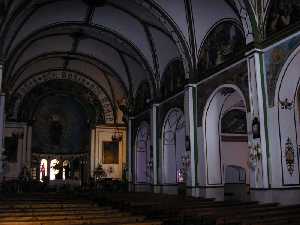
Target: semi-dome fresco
[60, 125]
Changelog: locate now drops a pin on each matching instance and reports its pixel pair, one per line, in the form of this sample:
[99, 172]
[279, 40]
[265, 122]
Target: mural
[60, 126]
[223, 42]
[89, 101]
[173, 79]
[274, 60]
[143, 98]
[283, 14]
[234, 122]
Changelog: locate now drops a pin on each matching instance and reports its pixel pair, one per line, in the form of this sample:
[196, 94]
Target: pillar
[260, 175]
[154, 144]
[92, 153]
[2, 119]
[191, 132]
[129, 149]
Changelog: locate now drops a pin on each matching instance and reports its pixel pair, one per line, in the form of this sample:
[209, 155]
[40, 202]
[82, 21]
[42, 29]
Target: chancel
[150, 112]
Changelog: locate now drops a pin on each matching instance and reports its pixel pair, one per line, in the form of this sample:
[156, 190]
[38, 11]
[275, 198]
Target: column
[29, 139]
[154, 143]
[129, 149]
[260, 177]
[2, 118]
[191, 132]
[92, 153]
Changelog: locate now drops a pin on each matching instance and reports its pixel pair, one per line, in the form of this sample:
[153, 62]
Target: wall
[235, 153]
[98, 136]
[13, 169]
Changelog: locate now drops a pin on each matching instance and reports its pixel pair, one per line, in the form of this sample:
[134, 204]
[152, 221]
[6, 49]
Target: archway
[225, 133]
[287, 123]
[142, 156]
[173, 146]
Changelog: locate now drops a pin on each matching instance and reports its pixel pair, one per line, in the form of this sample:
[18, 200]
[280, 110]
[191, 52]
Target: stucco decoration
[289, 156]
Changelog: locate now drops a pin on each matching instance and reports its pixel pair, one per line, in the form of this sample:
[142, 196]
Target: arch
[173, 136]
[73, 76]
[222, 150]
[143, 173]
[287, 119]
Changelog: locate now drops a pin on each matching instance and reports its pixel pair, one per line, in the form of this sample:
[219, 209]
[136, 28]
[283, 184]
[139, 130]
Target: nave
[140, 209]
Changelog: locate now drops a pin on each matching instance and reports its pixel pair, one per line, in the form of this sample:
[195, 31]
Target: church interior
[150, 112]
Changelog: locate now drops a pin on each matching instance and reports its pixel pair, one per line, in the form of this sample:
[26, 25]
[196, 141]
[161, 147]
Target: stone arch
[221, 149]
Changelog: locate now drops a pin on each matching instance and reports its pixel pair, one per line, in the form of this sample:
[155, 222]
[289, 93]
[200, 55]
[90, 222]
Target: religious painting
[234, 122]
[173, 79]
[110, 152]
[282, 14]
[221, 44]
[60, 126]
[143, 98]
[11, 148]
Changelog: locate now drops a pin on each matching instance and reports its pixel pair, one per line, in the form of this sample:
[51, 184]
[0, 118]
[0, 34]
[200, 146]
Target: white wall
[235, 153]
[101, 134]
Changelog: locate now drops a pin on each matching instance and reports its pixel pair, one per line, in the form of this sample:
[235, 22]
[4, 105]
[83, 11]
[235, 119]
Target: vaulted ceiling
[116, 43]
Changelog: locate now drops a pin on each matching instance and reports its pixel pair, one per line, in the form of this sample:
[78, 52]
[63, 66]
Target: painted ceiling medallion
[290, 156]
